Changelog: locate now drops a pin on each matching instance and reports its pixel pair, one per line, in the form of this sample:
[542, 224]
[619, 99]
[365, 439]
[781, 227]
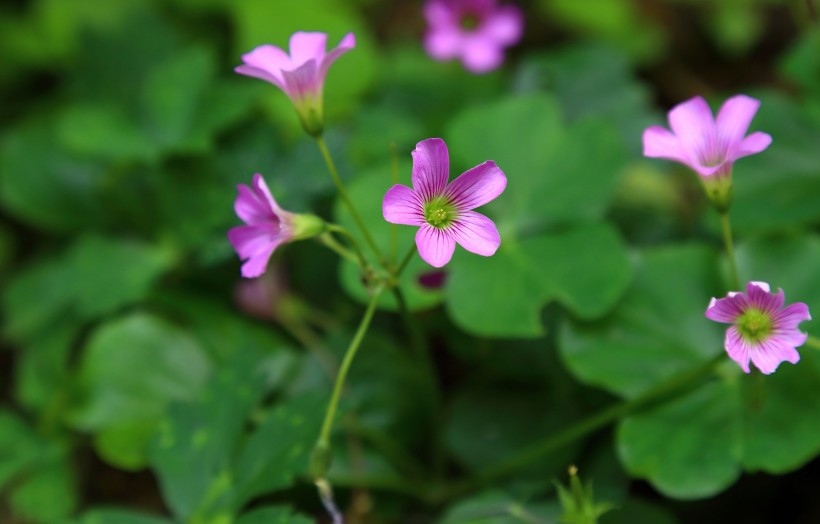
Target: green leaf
[555, 173]
[118, 516]
[43, 368]
[94, 277]
[273, 515]
[496, 507]
[45, 186]
[35, 472]
[92, 129]
[584, 269]
[676, 445]
[658, 330]
[131, 369]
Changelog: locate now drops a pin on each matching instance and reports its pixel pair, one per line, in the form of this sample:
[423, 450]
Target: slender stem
[334, 174]
[588, 425]
[730, 250]
[813, 342]
[328, 240]
[334, 228]
[324, 435]
[405, 261]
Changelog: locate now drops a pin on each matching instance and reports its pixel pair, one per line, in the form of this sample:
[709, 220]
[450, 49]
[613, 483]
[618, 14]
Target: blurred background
[139, 371]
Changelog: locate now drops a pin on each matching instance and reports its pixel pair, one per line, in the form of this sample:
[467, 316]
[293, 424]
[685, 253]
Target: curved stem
[334, 174]
[596, 421]
[354, 245]
[330, 242]
[730, 250]
[324, 435]
[405, 261]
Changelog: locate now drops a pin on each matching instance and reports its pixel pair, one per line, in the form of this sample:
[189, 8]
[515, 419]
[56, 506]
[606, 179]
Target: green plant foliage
[207, 468]
[112, 397]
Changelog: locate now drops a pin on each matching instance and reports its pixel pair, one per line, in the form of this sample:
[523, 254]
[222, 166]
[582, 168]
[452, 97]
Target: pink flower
[301, 75]
[444, 213]
[707, 145]
[764, 331]
[476, 31]
[267, 226]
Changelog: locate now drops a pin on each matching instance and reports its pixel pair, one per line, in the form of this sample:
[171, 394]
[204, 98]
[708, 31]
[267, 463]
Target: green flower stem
[730, 250]
[813, 342]
[405, 261]
[584, 427]
[334, 173]
[323, 444]
[333, 228]
[331, 243]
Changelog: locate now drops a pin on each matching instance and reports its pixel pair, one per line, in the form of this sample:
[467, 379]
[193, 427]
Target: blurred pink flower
[444, 213]
[475, 31]
[764, 331]
[301, 75]
[267, 226]
[707, 145]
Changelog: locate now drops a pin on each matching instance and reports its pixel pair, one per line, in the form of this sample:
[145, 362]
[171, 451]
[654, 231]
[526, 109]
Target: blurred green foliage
[137, 387]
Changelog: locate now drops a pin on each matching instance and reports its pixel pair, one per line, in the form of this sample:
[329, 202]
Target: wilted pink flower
[444, 212]
[707, 145]
[301, 75]
[475, 31]
[267, 226]
[764, 331]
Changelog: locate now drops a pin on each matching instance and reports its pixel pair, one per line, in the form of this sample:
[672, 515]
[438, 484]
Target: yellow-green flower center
[754, 325]
[469, 22]
[439, 213]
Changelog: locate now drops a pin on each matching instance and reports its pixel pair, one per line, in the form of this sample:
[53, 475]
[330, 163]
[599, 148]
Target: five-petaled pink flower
[707, 145]
[444, 213]
[764, 331]
[301, 75]
[267, 226]
[476, 31]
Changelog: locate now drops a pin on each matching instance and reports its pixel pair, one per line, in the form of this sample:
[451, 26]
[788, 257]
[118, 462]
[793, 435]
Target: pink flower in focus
[707, 145]
[444, 213]
[301, 75]
[267, 226]
[764, 331]
[475, 31]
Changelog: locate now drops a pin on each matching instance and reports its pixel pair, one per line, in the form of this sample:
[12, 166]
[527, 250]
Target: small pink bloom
[764, 331]
[301, 75]
[267, 226]
[444, 213]
[475, 31]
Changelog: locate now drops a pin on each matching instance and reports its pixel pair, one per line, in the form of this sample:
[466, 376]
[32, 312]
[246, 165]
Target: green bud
[320, 459]
[577, 501]
[719, 190]
[306, 226]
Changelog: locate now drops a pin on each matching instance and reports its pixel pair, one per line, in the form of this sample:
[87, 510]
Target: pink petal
[256, 265]
[261, 74]
[477, 186]
[692, 123]
[723, 310]
[738, 349]
[660, 143]
[769, 354]
[759, 296]
[792, 315]
[505, 25]
[256, 244]
[753, 144]
[401, 205]
[262, 191]
[439, 14]
[252, 209]
[435, 246]
[306, 46]
[444, 43]
[475, 233]
[302, 82]
[347, 43]
[265, 62]
[734, 118]
[431, 168]
[481, 54]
